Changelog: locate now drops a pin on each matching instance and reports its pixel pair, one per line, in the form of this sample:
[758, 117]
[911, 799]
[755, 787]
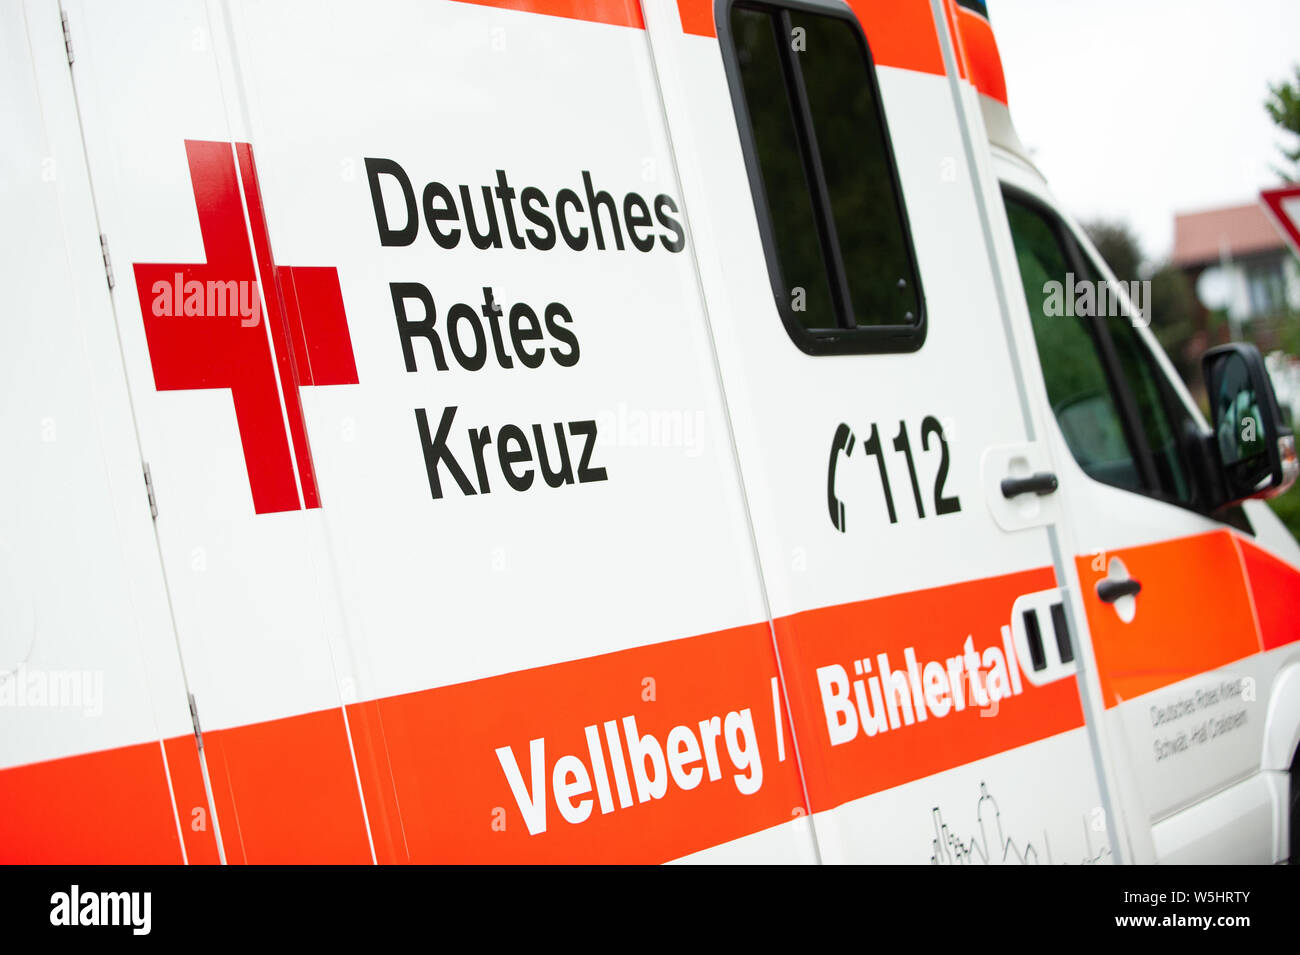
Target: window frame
[1191, 446]
[843, 340]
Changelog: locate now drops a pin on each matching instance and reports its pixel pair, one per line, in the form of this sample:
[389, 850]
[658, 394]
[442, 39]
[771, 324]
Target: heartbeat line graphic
[990, 845]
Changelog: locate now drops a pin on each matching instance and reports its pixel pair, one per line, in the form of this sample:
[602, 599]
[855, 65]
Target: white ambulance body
[490, 445]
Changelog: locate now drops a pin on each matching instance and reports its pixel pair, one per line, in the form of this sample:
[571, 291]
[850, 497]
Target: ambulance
[603, 431]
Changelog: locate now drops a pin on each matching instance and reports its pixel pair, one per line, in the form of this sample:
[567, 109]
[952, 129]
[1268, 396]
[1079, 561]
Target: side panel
[459, 557]
[864, 604]
[1189, 667]
[98, 761]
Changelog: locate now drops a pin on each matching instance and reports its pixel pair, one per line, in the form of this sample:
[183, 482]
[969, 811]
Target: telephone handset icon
[843, 441]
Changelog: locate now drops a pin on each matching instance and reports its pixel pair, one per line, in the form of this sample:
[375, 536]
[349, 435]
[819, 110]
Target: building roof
[1202, 237]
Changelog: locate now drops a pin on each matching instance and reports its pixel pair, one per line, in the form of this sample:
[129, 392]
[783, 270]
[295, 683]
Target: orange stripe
[377, 783]
[106, 807]
[1193, 614]
[900, 34]
[1275, 586]
[435, 789]
[285, 791]
[950, 15]
[619, 13]
[197, 825]
[697, 17]
[980, 52]
[456, 804]
[935, 623]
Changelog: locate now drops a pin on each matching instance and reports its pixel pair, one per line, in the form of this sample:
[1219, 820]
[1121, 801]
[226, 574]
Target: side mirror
[1257, 452]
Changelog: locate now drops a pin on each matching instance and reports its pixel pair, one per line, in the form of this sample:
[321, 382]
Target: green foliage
[1172, 308]
[1064, 346]
[1118, 246]
[1283, 106]
[1173, 319]
[1287, 507]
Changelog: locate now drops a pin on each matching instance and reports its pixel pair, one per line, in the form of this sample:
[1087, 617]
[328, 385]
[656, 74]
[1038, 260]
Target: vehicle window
[802, 259]
[846, 120]
[824, 180]
[1153, 405]
[1077, 385]
[1121, 420]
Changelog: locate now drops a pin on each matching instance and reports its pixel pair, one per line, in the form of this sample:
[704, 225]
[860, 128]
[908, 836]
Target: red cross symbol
[199, 338]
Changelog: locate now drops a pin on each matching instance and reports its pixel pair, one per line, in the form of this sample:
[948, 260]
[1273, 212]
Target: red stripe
[370, 741]
[286, 792]
[619, 13]
[439, 759]
[959, 52]
[900, 33]
[111, 806]
[935, 624]
[198, 828]
[696, 17]
[1275, 588]
[1193, 614]
[436, 789]
[980, 50]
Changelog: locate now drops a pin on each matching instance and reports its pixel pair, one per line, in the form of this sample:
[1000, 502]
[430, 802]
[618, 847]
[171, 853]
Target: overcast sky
[1137, 109]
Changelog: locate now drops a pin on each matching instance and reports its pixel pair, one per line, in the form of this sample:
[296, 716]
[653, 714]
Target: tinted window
[802, 259]
[1076, 380]
[1145, 380]
[866, 214]
[840, 257]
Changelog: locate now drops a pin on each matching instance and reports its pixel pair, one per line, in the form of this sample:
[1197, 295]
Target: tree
[1283, 106]
[1173, 320]
[1172, 306]
[1118, 246]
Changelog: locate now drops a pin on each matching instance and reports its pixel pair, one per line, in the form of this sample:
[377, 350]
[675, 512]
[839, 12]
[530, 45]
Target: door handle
[1044, 482]
[1110, 590]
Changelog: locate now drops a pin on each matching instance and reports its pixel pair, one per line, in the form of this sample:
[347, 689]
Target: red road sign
[1284, 204]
